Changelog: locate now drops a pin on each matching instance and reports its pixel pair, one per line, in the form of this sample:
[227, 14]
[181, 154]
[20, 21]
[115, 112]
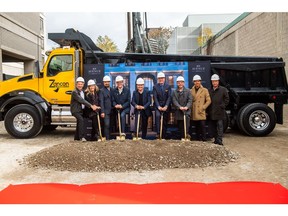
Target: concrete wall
[258, 34]
[21, 39]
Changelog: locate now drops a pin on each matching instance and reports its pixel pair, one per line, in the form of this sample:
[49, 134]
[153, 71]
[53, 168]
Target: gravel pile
[116, 156]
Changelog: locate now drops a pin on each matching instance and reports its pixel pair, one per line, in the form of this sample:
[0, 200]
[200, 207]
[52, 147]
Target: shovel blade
[185, 139]
[103, 139]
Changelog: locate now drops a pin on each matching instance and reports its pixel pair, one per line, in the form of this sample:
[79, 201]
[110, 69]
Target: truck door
[59, 80]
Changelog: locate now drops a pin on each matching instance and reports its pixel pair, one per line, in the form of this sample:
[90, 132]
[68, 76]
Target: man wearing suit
[77, 106]
[162, 101]
[141, 101]
[106, 105]
[121, 97]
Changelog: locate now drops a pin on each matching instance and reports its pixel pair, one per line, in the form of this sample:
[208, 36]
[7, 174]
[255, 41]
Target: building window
[41, 25]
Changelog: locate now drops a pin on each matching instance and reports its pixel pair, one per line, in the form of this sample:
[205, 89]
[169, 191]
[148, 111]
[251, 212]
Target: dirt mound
[129, 155]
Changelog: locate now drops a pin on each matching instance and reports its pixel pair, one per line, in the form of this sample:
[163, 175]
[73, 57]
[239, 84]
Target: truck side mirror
[37, 73]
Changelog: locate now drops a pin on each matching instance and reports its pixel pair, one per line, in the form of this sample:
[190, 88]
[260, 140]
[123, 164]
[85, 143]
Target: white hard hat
[215, 77]
[106, 78]
[196, 77]
[91, 82]
[119, 78]
[140, 81]
[160, 75]
[180, 78]
[80, 79]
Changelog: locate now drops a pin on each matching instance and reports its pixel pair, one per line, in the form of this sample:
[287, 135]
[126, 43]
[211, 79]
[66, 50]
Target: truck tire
[256, 119]
[226, 122]
[239, 121]
[23, 121]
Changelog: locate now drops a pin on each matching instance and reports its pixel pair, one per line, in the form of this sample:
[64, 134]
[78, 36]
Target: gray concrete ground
[263, 159]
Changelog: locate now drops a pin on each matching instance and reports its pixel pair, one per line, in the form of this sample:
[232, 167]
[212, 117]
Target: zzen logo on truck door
[58, 85]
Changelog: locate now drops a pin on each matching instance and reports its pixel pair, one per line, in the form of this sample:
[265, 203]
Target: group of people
[192, 104]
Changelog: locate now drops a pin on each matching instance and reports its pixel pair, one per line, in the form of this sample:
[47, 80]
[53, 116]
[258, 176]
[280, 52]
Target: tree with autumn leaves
[160, 36]
[106, 44]
[204, 36]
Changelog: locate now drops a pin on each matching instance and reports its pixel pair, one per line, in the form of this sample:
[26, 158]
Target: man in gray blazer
[182, 100]
[77, 106]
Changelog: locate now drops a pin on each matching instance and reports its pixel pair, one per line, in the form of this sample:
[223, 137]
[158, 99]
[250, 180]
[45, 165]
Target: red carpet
[156, 193]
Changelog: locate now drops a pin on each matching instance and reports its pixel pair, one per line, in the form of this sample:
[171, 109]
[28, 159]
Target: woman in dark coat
[92, 96]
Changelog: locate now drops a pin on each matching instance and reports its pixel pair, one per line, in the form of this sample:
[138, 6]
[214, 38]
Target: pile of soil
[128, 155]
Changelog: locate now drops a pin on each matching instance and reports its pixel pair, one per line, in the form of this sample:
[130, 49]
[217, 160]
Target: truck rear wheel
[226, 122]
[256, 119]
[23, 121]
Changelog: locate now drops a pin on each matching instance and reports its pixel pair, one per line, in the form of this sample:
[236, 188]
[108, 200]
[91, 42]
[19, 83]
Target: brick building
[252, 34]
[21, 43]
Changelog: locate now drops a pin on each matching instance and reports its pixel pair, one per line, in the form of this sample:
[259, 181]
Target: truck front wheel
[23, 121]
[256, 119]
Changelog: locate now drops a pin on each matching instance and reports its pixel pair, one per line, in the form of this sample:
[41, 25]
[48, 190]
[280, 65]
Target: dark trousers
[79, 133]
[106, 121]
[94, 132]
[217, 130]
[180, 124]
[165, 122]
[144, 124]
[200, 129]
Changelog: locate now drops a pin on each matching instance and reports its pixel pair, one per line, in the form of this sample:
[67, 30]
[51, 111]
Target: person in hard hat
[92, 96]
[201, 101]
[182, 101]
[219, 101]
[141, 101]
[106, 105]
[77, 106]
[121, 98]
[162, 100]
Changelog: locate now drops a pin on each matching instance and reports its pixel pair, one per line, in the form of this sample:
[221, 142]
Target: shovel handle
[137, 132]
[99, 125]
[185, 132]
[161, 125]
[119, 122]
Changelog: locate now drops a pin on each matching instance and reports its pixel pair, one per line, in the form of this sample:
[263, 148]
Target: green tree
[106, 44]
[161, 35]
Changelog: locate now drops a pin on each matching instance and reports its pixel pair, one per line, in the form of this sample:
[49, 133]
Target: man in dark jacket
[106, 105]
[182, 100]
[141, 101]
[121, 98]
[77, 106]
[219, 101]
[162, 100]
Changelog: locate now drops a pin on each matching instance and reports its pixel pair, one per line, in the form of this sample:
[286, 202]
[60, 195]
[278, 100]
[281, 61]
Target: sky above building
[114, 24]
[108, 17]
